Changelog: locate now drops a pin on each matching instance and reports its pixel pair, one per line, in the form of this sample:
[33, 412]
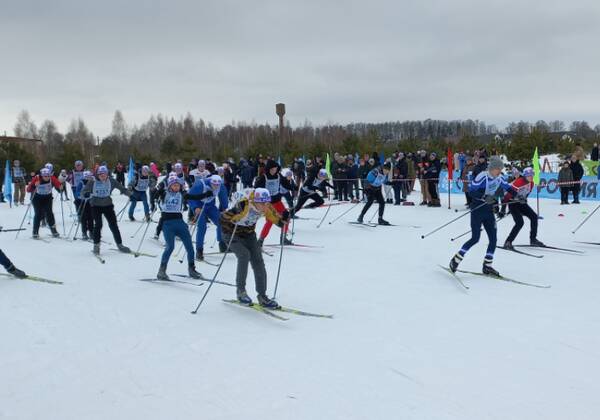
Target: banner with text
[548, 186]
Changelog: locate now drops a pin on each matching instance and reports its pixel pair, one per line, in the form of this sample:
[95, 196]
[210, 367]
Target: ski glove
[490, 199]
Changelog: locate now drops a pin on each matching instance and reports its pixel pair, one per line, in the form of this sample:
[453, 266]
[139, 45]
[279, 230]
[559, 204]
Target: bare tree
[25, 127]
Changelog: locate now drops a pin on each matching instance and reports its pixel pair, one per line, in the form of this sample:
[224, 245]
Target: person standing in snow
[483, 195]
[272, 180]
[205, 209]
[99, 190]
[10, 267]
[565, 179]
[238, 224]
[376, 178]
[138, 187]
[577, 170]
[41, 188]
[522, 187]
[171, 204]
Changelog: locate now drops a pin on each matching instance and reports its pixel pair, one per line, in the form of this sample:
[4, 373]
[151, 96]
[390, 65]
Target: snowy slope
[406, 342]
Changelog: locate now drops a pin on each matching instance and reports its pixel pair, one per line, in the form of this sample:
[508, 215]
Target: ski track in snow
[406, 342]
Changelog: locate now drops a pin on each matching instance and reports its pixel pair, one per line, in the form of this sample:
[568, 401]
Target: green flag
[328, 166]
[536, 167]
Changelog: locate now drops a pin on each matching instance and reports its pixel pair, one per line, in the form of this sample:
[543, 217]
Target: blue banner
[548, 186]
[8, 182]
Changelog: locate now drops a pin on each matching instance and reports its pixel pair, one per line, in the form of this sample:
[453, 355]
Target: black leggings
[432, 187]
[4, 260]
[304, 196]
[517, 211]
[372, 195]
[111, 218]
[43, 210]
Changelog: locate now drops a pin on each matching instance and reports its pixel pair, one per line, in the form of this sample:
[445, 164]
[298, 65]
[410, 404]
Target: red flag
[450, 165]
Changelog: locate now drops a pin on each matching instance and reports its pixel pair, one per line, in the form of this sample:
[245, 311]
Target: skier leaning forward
[242, 219]
[483, 194]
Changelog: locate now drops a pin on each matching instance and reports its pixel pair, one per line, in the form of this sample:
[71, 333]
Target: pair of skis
[475, 273]
[273, 312]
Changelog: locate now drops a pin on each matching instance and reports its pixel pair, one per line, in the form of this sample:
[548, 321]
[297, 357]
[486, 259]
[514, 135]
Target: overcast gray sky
[341, 61]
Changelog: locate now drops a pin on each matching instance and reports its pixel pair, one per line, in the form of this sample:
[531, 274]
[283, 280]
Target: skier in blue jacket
[372, 188]
[206, 209]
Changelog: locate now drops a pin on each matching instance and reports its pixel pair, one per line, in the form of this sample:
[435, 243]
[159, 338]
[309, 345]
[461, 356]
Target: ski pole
[62, 213]
[79, 216]
[497, 220]
[279, 265]
[191, 234]
[122, 212]
[212, 281]
[344, 213]
[586, 219]
[137, 231]
[25, 215]
[325, 215]
[453, 220]
[293, 209]
[144, 235]
[373, 216]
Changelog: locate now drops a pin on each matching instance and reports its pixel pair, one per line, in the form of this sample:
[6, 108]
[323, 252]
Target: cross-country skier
[10, 267]
[99, 190]
[523, 187]
[84, 210]
[310, 188]
[375, 179]
[41, 187]
[272, 181]
[242, 219]
[139, 188]
[483, 199]
[206, 209]
[171, 205]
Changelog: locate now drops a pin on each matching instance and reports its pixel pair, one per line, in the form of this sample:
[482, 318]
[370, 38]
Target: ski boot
[509, 245]
[55, 233]
[96, 249]
[16, 272]
[260, 242]
[200, 254]
[35, 235]
[383, 222]
[193, 273]
[360, 219]
[124, 249]
[536, 242]
[222, 246]
[266, 302]
[85, 237]
[285, 240]
[147, 218]
[454, 262]
[162, 273]
[155, 237]
[488, 269]
[131, 218]
[243, 298]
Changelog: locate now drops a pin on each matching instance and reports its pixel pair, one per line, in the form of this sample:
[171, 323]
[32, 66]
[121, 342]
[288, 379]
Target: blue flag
[131, 172]
[381, 159]
[8, 182]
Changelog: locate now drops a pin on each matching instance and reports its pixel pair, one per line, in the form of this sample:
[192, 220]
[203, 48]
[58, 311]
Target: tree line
[163, 138]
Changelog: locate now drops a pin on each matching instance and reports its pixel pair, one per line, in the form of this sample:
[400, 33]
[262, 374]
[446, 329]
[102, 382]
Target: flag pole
[449, 186]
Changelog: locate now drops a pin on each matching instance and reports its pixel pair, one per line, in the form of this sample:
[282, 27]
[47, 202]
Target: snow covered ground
[406, 341]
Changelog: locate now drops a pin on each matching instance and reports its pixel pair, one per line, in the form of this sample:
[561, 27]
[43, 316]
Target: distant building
[33, 146]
